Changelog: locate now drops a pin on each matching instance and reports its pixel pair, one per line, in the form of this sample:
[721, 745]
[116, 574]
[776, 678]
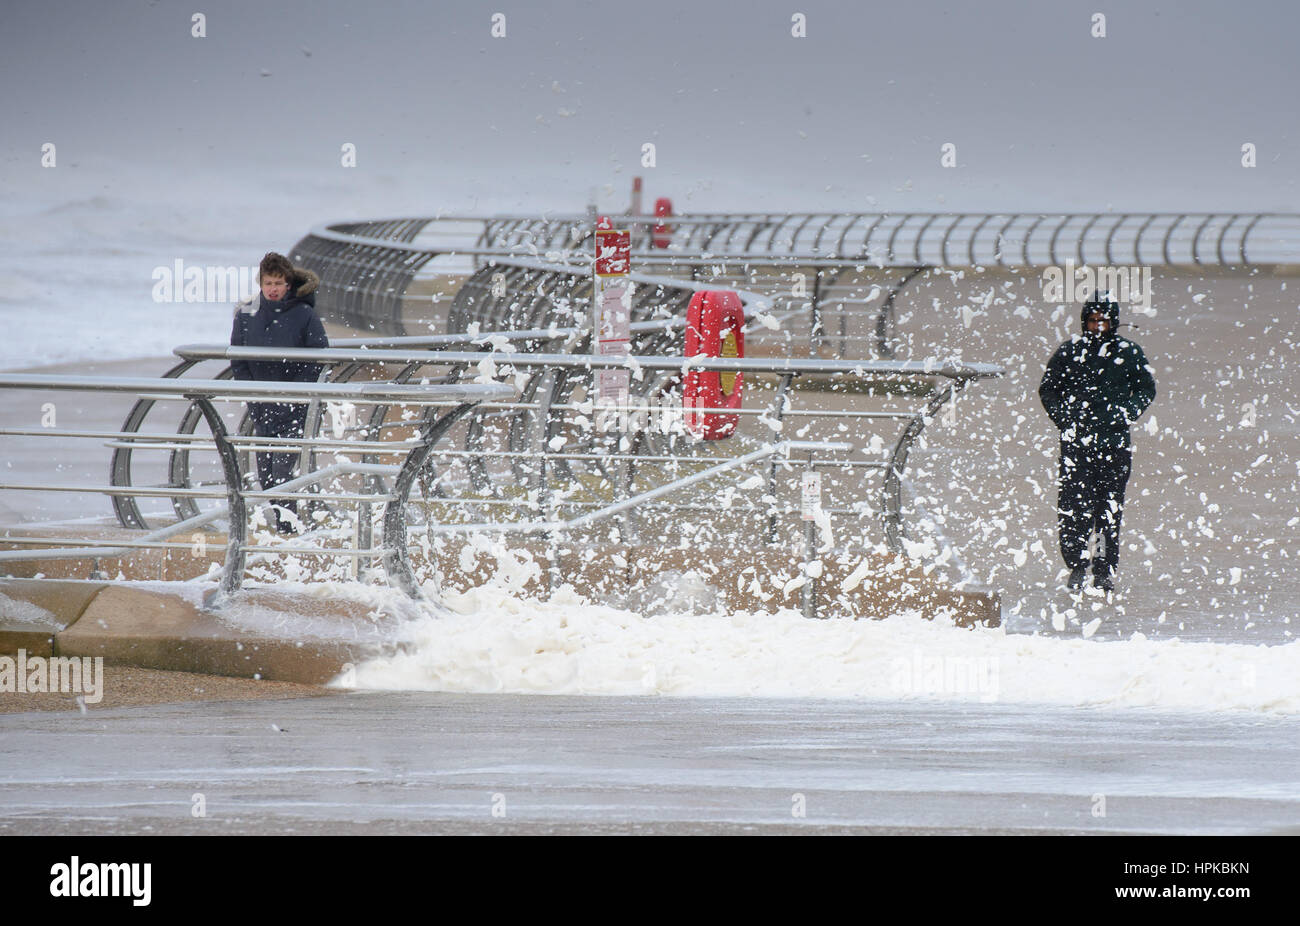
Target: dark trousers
[1092, 482]
[274, 469]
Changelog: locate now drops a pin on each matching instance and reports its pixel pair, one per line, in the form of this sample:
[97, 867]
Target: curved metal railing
[367, 268]
[553, 395]
[364, 278]
[905, 239]
[202, 394]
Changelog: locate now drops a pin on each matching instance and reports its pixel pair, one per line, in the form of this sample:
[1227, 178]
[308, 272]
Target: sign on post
[612, 307]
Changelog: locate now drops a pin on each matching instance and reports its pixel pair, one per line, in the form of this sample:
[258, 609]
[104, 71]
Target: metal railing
[534, 457]
[900, 239]
[364, 279]
[935, 239]
[651, 333]
[368, 268]
[542, 438]
[202, 394]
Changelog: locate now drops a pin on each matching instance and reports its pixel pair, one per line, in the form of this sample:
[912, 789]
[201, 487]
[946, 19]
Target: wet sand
[127, 686]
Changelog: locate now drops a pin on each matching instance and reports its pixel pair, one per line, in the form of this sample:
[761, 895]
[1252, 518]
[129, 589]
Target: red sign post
[612, 310]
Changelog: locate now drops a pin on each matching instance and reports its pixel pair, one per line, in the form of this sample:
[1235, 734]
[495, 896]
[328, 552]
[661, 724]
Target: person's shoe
[1077, 576]
[1105, 582]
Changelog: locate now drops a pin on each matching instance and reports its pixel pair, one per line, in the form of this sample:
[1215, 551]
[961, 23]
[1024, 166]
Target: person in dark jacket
[282, 315]
[1095, 386]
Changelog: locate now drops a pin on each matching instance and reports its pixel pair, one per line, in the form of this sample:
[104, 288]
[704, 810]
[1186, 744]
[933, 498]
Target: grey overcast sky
[1044, 116]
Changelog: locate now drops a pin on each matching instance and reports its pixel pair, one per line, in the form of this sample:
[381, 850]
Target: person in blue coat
[1095, 386]
[282, 315]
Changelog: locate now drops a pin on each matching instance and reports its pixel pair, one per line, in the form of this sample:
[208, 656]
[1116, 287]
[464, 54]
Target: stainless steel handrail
[243, 390]
[203, 394]
[1279, 235]
[394, 550]
[776, 365]
[958, 375]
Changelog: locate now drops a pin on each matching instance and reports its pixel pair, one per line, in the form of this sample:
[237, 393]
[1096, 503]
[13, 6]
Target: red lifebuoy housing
[663, 232]
[715, 327]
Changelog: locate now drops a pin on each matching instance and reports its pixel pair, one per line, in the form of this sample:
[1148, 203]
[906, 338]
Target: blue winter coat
[292, 323]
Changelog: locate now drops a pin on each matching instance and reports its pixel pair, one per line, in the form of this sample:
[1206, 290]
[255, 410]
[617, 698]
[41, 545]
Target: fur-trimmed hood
[303, 282]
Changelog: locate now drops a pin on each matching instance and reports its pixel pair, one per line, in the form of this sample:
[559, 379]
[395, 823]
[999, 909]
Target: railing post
[365, 531]
[237, 532]
[778, 409]
[552, 392]
[844, 332]
[815, 325]
[810, 549]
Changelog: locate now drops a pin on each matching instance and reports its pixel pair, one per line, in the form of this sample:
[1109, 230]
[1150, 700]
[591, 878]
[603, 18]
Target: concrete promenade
[410, 762]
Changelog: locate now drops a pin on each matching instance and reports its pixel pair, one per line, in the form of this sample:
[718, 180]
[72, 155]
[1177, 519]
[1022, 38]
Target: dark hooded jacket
[290, 323]
[1096, 386]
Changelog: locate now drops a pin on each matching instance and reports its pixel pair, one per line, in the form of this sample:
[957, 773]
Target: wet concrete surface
[379, 763]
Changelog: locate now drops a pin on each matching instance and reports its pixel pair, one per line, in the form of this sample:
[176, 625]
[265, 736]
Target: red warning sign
[613, 252]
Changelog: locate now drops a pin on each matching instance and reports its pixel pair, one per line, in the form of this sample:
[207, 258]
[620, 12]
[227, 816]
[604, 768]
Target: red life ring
[715, 327]
[662, 234]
